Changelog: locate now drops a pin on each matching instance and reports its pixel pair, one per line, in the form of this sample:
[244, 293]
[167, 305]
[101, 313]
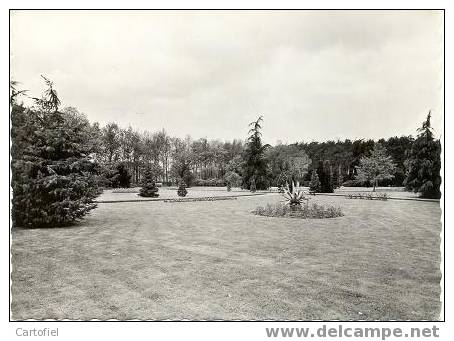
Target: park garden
[117, 223]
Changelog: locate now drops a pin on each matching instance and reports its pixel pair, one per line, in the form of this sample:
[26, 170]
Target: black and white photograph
[226, 165]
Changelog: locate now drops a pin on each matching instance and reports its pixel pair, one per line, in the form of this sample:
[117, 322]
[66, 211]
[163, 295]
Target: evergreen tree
[255, 163]
[182, 191]
[122, 175]
[424, 163]
[314, 185]
[335, 180]
[53, 175]
[149, 188]
[14, 92]
[253, 186]
[324, 174]
[376, 167]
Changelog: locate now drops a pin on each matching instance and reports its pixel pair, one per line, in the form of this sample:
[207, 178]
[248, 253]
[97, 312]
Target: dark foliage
[53, 176]
[118, 177]
[182, 191]
[149, 188]
[255, 162]
[253, 187]
[315, 185]
[287, 164]
[209, 182]
[324, 174]
[424, 163]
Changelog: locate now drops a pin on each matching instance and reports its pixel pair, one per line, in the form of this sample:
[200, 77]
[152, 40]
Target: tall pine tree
[424, 163]
[52, 173]
[255, 163]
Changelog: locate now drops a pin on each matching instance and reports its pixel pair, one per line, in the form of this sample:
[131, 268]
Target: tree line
[61, 161]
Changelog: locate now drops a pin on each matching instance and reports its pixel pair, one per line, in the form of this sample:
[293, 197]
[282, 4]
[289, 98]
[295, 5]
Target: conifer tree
[324, 174]
[149, 188]
[253, 186]
[424, 163]
[314, 185]
[255, 163]
[53, 176]
[182, 191]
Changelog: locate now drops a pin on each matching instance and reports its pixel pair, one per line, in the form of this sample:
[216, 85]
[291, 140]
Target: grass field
[216, 260]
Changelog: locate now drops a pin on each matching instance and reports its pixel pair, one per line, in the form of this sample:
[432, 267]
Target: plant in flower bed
[312, 211]
[369, 196]
[200, 199]
[295, 196]
[126, 190]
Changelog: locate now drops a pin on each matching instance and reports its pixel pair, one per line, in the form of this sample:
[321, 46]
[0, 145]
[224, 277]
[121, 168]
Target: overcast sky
[313, 75]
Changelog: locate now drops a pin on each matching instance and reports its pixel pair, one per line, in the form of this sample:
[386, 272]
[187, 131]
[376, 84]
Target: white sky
[313, 75]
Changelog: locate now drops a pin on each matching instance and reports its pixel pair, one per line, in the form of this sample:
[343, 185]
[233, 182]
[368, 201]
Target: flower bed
[313, 211]
[126, 190]
[369, 196]
[200, 199]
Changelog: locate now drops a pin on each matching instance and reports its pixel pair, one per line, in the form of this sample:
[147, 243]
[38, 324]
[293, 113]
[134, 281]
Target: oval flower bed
[200, 199]
[312, 211]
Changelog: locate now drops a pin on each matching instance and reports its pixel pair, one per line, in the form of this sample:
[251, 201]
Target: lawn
[216, 260]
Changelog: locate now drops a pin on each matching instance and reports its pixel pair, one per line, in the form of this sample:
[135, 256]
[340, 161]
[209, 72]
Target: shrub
[383, 196]
[313, 211]
[182, 191]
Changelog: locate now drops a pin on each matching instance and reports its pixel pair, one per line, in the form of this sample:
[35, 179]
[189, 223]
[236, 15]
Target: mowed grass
[216, 260]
